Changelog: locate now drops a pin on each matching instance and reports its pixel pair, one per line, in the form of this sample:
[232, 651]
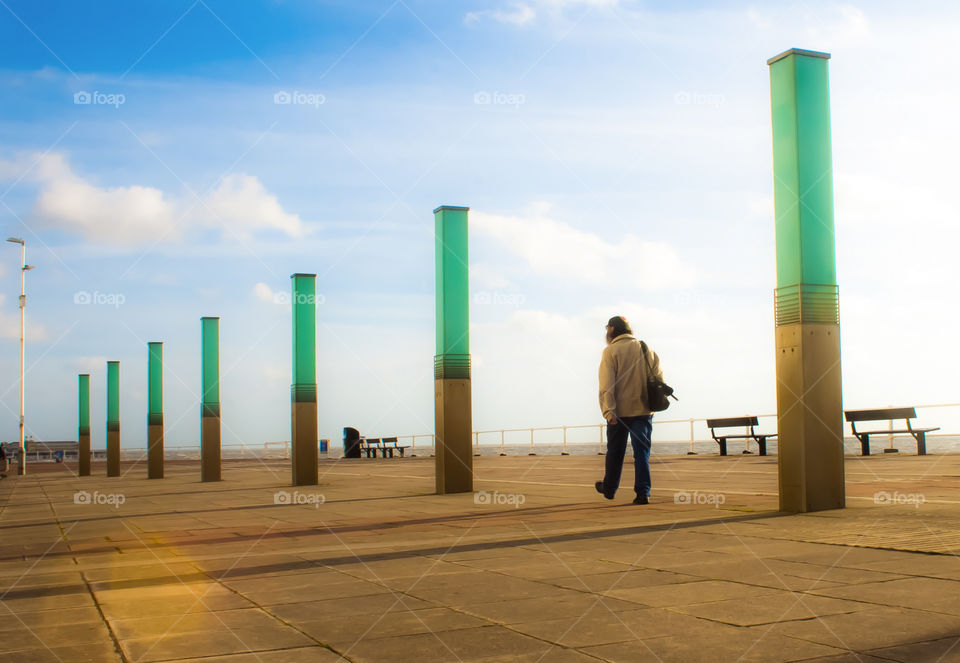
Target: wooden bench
[888, 414]
[739, 422]
[386, 446]
[390, 444]
[370, 446]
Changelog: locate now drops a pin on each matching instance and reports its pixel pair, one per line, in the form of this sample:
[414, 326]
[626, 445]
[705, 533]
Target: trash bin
[324, 444]
[351, 443]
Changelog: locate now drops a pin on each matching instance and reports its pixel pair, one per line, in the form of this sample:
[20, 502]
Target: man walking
[623, 400]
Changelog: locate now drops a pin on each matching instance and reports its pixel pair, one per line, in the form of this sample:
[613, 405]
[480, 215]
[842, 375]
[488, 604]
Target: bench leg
[865, 445]
[388, 451]
[762, 443]
[921, 444]
[401, 452]
[723, 447]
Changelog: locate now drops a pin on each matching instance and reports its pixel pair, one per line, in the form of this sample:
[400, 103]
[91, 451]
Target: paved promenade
[370, 566]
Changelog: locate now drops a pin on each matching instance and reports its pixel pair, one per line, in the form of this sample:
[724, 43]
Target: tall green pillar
[83, 425]
[210, 404]
[154, 410]
[451, 365]
[303, 391]
[113, 418]
[809, 407]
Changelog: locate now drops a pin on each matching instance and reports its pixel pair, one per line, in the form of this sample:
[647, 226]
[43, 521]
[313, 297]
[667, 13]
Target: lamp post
[24, 268]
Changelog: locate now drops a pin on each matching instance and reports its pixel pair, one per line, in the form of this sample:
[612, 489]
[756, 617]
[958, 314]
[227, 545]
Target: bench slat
[881, 414]
[731, 421]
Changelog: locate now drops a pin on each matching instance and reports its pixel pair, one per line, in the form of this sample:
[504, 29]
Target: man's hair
[619, 325]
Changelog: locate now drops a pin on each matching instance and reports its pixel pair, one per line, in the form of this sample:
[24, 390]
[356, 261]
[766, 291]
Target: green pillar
[452, 392]
[210, 404]
[83, 425]
[807, 311]
[154, 410]
[303, 391]
[113, 418]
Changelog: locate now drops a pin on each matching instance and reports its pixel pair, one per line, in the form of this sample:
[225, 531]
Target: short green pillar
[303, 390]
[210, 403]
[809, 405]
[113, 418]
[154, 410]
[83, 425]
[451, 365]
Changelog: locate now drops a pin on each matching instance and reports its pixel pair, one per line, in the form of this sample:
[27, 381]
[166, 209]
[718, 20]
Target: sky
[170, 160]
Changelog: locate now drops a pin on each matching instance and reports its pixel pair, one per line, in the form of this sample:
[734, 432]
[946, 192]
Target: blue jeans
[639, 429]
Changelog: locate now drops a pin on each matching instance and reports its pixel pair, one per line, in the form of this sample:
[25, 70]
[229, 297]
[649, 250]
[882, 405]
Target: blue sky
[615, 156]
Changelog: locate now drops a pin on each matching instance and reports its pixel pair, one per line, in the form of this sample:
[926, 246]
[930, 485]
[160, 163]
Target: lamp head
[28, 267]
[15, 240]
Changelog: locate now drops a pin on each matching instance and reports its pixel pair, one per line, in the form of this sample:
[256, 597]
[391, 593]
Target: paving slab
[384, 570]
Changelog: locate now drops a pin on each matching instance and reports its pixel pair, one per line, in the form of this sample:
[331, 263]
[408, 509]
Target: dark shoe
[641, 500]
[599, 486]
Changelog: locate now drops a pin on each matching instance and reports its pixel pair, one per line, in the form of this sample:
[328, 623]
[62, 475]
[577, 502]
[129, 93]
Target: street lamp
[24, 267]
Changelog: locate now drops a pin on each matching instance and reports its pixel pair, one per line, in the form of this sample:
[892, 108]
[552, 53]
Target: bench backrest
[731, 421]
[389, 440]
[34, 446]
[881, 414]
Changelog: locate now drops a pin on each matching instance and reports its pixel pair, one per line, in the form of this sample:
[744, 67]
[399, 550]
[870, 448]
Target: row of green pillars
[453, 411]
[209, 416]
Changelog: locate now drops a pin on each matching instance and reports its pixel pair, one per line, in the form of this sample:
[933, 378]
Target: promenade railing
[690, 432]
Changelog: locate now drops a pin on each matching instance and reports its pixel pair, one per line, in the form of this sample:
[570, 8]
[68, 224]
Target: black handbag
[659, 392]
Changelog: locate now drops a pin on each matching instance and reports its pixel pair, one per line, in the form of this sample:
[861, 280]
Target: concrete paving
[536, 566]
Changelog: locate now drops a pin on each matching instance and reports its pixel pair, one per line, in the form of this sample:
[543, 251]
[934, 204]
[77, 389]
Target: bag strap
[646, 358]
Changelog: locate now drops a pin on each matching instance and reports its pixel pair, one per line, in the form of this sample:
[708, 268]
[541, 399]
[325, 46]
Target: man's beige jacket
[623, 378]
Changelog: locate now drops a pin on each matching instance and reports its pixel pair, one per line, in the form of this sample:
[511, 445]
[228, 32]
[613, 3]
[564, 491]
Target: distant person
[623, 401]
[3, 462]
[58, 455]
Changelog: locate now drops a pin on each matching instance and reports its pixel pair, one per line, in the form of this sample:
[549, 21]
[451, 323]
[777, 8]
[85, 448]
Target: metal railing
[695, 432]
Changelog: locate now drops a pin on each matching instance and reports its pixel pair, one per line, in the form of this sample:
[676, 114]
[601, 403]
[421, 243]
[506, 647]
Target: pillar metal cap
[799, 51]
[210, 317]
[154, 342]
[452, 207]
[83, 375]
[293, 276]
[113, 362]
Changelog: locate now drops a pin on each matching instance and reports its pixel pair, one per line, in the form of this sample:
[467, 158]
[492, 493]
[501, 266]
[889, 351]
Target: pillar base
[809, 418]
[454, 436]
[155, 451]
[113, 452]
[83, 455]
[209, 448]
[303, 444]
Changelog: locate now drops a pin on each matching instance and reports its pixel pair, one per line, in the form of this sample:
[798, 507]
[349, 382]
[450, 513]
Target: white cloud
[555, 249]
[88, 364]
[483, 275]
[242, 206]
[519, 14]
[266, 294]
[116, 215]
[10, 323]
[239, 206]
[263, 292]
[524, 13]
